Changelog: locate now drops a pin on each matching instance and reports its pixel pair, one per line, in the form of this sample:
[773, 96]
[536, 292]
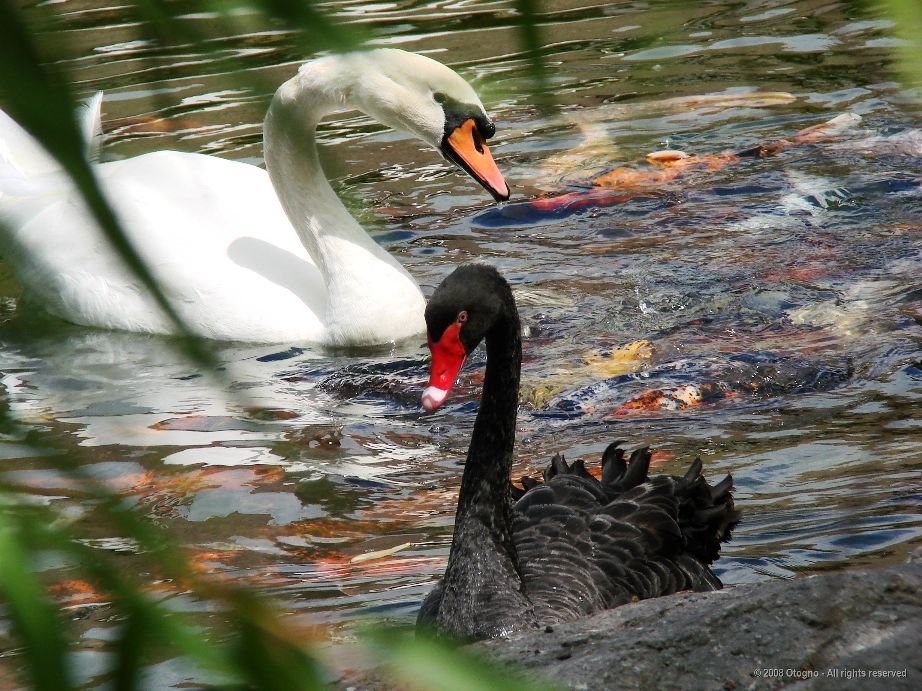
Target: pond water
[771, 305]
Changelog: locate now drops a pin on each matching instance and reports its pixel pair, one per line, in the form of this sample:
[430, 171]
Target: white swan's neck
[366, 286]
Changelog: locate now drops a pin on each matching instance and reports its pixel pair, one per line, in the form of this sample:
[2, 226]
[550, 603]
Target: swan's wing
[216, 238]
[553, 543]
[21, 159]
[706, 514]
[90, 114]
[211, 230]
[585, 545]
[26, 169]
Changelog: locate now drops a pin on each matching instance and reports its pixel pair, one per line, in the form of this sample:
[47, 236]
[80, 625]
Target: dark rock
[837, 630]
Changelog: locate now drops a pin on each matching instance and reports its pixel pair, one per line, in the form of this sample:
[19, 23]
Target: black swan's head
[470, 302]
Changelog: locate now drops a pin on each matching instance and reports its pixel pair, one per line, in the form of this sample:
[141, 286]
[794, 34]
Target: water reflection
[779, 297]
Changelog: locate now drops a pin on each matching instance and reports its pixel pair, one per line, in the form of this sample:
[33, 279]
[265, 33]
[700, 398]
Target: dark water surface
[777, 300]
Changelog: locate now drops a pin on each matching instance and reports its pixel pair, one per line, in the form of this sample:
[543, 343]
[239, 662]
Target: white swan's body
[243, 254]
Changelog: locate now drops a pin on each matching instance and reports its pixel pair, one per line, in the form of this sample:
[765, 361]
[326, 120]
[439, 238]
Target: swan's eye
[462, 317]
[439, 97]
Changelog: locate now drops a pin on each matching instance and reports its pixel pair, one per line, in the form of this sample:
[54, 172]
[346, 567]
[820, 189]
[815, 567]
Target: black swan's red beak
[448, 355]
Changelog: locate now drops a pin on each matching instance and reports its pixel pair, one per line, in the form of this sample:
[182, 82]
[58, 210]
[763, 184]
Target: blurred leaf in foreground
[906, 16]
[424, 663]
[37, 96]
[254, 647]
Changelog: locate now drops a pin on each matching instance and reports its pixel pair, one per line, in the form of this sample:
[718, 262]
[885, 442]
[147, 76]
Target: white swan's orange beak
[448, 357]
[465, 145]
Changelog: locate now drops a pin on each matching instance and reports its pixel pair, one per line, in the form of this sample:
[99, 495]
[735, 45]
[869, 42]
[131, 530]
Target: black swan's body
[572, 544]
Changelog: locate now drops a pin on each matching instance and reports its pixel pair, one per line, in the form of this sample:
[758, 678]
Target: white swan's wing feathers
[90, 114]
[219, 247]
[179, 210]
[21, 152]
[26, 168]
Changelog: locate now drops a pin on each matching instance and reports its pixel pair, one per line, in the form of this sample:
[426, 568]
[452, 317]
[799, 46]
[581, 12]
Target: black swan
[571, 545]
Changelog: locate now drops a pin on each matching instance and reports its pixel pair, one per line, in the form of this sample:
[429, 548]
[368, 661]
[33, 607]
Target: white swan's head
[415, 94]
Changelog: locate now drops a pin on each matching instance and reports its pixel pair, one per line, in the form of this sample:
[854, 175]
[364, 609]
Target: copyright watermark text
[844, 673]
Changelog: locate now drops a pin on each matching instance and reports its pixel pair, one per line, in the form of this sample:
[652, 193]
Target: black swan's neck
[485, 483]
[483, 595]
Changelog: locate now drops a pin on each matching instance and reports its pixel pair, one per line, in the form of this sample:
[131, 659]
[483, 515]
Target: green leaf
[39, 98]
[907, 18]
[530, 36]
[129, 648]
[426, 663]
[35, 620]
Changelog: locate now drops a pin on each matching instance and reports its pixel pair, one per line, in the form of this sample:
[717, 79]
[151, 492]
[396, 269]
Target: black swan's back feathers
[585, 544]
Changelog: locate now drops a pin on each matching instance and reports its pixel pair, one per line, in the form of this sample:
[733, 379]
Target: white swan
[242, 254]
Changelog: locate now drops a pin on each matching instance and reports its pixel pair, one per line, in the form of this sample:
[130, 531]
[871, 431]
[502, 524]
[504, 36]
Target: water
[779, 296]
